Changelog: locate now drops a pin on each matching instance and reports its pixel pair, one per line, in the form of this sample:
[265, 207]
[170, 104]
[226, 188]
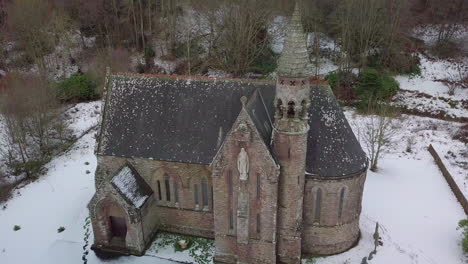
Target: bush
[462, 134]
[149, 53]
[16, 227]
[445, 49]
[398, 62]
[463, 224]
[266, 62]
[181, 50]
[376, 86]
[342, 84]
[60, 229]
[78, 87]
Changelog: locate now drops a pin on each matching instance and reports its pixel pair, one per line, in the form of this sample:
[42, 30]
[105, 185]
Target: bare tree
[376, 132]
[31, 116]
[242, 34]
[459, 78]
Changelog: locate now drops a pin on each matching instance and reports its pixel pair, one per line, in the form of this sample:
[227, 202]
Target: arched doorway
[114, 218]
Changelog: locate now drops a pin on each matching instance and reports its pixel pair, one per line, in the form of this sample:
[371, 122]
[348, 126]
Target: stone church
[270, 170]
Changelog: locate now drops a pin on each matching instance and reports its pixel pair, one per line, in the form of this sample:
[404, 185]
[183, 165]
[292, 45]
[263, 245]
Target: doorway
[118, 227]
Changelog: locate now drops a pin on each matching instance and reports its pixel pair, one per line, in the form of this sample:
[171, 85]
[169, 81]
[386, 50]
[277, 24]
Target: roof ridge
[191, 77]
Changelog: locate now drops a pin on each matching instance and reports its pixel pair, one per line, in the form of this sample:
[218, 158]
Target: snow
[432, 70]
[83, 116]
[56, 199]
[417, 213]
[128, 185]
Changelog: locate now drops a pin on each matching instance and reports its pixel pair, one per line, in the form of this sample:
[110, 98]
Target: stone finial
[243, 101]
[294, 61]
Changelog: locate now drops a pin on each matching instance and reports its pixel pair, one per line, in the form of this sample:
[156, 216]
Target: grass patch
[200, 249]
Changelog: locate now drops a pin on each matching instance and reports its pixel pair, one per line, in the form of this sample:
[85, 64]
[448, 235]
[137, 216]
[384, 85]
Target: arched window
[318, 205]
[291, 109]
[159, 191]
[304, 108]
[195, 193]
[229, 182]
[231, 219]
[176, 192]
[279, 108]
[167, 185]
[340, 207]
[204, 188]
[258, 186]
[258, 223]
[229, 207]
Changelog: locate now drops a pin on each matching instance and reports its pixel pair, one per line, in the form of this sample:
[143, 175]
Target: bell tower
[290, 137]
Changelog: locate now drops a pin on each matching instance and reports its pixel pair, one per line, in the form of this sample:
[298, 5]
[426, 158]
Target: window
[195, 192]
[291, 109]
[204, 192]
[176, 192]
[279, 108]
[231, 219]
[258, 186]
[340, 208]
[318, 204]
[168, 189]
[258, 223]
[159, 191]
[229, 182]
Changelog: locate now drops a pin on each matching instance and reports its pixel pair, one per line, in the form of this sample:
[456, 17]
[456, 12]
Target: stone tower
[290, 137]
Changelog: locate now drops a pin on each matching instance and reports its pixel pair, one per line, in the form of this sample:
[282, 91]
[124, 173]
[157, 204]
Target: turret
[290, 138]
[293, 83]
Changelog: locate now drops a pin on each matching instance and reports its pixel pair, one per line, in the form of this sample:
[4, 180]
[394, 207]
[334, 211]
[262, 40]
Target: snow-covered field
[408, 197]
[426, 93]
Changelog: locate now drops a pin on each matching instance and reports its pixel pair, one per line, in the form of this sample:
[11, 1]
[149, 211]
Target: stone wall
[245, 209]
[449, 178]
[290, 151]
[332, 233]
[183, 216]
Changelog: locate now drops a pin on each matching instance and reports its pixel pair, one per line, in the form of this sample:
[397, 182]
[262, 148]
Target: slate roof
[183, 120]
[131, 186]
[173, 119]
[261, 111]
[332, 147]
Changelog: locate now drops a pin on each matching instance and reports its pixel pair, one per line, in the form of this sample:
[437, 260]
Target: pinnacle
[294, 60]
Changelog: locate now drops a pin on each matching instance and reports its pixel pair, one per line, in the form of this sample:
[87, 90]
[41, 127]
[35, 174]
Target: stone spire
[294, 61]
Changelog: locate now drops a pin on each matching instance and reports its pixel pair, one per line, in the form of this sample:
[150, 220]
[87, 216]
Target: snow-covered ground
[417, 213]
[432, 71]
[408, 197]
[412, 135]
[82, 117]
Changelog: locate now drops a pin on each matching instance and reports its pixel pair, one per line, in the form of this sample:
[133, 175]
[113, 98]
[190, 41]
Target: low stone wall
[451, 182]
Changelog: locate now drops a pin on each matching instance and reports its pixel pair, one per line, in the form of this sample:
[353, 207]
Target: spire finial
[294, 60]
[243, 101]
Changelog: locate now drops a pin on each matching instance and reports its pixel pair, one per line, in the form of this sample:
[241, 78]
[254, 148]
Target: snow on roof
[132, 186]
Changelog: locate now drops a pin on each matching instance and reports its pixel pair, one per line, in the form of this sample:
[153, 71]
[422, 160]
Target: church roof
[332, 147]
[186, 120]
[174, 119]
[294, 60]
[131, 186]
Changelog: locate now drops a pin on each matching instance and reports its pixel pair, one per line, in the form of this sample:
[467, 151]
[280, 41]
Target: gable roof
[172, 119]
[186, 120]
[261, 112]
[332, 147]
[131, 186]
